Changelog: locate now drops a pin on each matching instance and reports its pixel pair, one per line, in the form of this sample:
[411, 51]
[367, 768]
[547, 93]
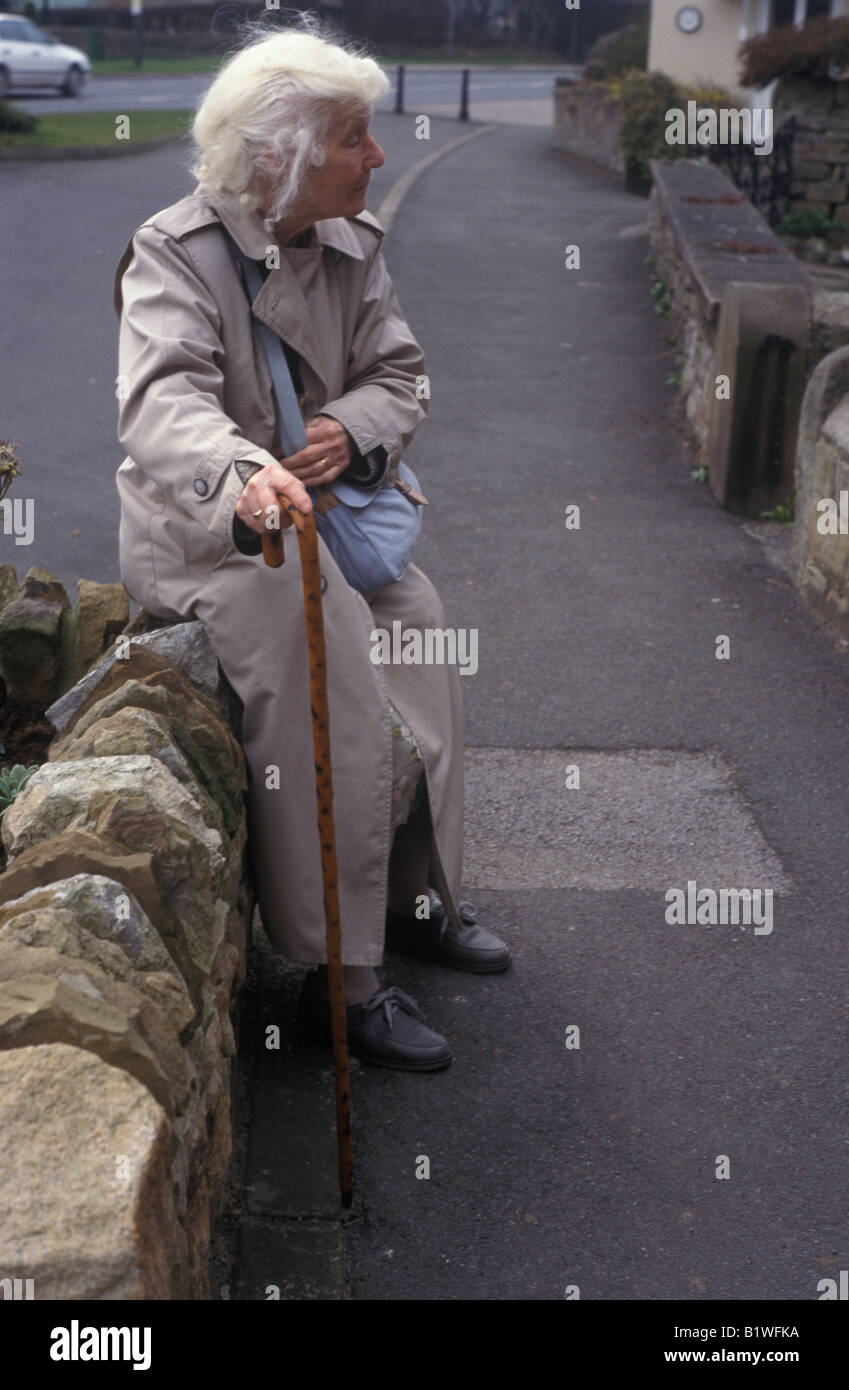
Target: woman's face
[340, 187]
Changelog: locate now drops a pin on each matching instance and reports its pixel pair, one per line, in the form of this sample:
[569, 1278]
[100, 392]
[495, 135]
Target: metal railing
[765, 179]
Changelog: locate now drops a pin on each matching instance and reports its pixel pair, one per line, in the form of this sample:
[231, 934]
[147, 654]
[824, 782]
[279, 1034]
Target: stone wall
[820, 145]
[586, 122]
[714, 251]
[820, 558]
[732, 287]
[45, 644]
[124, 916]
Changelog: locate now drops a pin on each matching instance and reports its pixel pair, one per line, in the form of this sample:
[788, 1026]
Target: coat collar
[280, 304]
[247, 226]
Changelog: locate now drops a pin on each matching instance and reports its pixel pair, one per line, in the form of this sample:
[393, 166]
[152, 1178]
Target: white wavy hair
[269, 111]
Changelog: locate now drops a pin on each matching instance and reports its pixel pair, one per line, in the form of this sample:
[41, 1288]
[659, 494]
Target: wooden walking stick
[292, 439]
[272, 550]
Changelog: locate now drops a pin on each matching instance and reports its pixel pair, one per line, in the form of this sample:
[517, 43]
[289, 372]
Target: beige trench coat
[195, 395]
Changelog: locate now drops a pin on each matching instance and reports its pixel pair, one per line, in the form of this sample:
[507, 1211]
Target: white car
[30, 58]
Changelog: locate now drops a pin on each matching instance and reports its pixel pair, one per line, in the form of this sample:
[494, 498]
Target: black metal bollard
[399, 91]
[464, 96]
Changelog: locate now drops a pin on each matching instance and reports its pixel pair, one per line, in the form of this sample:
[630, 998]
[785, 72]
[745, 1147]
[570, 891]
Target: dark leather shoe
[387, 1030]
[437, 939]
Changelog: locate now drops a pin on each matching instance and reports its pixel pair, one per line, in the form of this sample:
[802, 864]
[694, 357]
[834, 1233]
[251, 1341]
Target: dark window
[782, 12]
[819, 9]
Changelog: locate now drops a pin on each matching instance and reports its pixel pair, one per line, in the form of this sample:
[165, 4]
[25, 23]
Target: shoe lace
[389, 1000]
[466, 911]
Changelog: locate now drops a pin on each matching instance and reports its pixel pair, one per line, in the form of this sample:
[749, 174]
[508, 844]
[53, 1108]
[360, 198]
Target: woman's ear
[262, 181]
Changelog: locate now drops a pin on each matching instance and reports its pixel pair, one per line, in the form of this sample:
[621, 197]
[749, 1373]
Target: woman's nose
[374, 154]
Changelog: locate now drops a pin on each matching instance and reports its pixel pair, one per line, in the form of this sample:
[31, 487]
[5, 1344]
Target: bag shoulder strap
[289, 419]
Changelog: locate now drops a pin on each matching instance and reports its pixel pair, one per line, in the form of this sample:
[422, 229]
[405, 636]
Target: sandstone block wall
[820, 558]
[125, 908]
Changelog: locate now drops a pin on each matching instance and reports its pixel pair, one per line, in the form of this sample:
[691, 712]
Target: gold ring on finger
[259, 513]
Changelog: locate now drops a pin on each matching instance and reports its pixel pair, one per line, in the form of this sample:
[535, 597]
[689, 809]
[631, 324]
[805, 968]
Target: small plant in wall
[12, 781]
[659, 292]
[674, 378]
[783, 512]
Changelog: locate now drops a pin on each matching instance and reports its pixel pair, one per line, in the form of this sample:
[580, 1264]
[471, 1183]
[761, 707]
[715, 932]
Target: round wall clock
[689, 19]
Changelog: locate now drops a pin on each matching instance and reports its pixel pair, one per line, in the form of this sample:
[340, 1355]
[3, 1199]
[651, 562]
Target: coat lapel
[281, 304]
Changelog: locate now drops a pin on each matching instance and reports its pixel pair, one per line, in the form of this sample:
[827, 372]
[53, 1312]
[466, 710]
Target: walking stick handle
[272, 541]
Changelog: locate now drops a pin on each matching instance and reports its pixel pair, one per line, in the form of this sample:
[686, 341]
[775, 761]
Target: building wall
[709, 55]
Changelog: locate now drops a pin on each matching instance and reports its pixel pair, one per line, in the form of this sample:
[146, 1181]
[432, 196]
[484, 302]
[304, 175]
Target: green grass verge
[98, 128]
[117, 66]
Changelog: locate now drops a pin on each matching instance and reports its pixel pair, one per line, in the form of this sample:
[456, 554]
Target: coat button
[323, 583]
[201, 488]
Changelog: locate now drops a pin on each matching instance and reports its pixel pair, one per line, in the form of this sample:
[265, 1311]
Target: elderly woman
[285, 157]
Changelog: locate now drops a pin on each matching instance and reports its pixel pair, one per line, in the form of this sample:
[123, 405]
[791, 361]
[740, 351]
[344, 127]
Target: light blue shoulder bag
[370, 532]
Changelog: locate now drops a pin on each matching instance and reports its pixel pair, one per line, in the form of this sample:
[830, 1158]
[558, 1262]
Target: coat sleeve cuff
[245, 539]
[367, 470]
[345, 412]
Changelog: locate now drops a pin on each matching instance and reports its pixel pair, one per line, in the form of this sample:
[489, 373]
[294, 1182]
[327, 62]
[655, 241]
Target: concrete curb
[391, 203]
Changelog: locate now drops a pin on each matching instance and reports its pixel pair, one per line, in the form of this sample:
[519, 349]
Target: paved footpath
[703, 1049]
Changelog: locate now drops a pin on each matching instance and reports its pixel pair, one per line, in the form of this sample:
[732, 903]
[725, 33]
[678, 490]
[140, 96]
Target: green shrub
[646, 98]
[12, 119]
[814, 51]
[615, 54]
[708, 94]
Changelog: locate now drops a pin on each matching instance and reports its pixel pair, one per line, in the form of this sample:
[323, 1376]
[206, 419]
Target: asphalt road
[550, 1166]
[423, 88]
